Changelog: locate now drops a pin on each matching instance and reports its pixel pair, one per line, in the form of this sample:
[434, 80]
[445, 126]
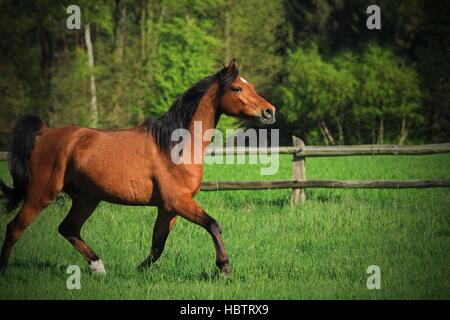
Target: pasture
[318, 250]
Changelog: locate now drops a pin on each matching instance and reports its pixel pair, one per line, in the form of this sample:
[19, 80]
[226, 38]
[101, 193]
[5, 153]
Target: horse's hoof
[226, 270]
[2, 269]
[97, 267]
[143, 266]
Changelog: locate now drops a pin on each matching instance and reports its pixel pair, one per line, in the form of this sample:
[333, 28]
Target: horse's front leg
[188, 209]
[164, 223]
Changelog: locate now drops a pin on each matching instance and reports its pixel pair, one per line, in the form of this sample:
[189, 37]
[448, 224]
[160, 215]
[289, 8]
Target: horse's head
[239, 99]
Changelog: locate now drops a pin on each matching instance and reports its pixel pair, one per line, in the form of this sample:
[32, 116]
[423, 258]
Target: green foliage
[353, 86]
[376, 85]
[69, 93]
[378, 73]
[256, 38]
[388, 88]
[187, 54]
[13, 97]
[314, 89]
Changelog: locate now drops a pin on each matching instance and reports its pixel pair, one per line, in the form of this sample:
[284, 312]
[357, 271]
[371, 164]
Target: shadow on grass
[37, 266]
[214, 276]
[324, 197]
[156, 273]
[274, 202]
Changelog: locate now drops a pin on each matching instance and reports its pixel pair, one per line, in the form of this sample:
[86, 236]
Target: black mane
[180, 114]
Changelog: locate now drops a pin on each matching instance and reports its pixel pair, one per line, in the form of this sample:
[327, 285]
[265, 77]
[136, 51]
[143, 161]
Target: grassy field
[319, 250]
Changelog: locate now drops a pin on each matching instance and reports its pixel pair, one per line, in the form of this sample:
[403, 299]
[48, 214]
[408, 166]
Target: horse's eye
[236, 89]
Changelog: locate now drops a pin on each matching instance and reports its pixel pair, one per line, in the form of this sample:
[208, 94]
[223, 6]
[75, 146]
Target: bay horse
[129, 166]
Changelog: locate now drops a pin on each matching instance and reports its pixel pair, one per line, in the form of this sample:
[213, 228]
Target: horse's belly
[128, 191]
[122, 187]
[122, 191]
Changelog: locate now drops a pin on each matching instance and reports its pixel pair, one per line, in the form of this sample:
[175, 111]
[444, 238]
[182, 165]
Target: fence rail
[300, 152]
[346, 184]
[334, 151]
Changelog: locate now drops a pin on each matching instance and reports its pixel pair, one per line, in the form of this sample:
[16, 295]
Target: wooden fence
[300, 152]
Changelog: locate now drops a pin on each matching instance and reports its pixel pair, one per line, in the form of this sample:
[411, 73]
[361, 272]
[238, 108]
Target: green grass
[319, 250]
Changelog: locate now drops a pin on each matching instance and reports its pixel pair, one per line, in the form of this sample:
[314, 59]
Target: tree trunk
[340, 127]
[435, 123]
[355, 133]
[327, 131]
[65, 46]
[90, 52]
[227, 30]
[143, 16]
[403, 131]
[43, 102]
[119, 30]
[118, 55]
[322, 131]
[381, 131]
[372, 132]
[77, 40]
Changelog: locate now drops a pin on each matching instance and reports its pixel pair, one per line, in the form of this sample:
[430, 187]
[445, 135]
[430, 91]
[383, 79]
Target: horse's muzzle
[267, 117]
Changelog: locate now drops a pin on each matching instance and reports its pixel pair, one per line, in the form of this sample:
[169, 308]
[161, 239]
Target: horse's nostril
[268, 113]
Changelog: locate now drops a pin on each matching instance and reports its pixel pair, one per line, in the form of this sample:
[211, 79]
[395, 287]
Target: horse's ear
[232, 66]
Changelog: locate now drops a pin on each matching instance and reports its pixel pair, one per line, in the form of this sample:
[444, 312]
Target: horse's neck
[204, 119]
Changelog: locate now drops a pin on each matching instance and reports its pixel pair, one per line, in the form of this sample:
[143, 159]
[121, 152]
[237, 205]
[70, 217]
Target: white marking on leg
[243, 80]
[97, 267]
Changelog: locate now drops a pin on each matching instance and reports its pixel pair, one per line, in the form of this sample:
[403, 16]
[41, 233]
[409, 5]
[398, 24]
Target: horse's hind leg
[44, 188]
[70, 228]
[164, 223]
[15, 228]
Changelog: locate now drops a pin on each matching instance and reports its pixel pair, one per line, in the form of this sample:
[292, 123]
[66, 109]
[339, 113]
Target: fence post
[298, 172]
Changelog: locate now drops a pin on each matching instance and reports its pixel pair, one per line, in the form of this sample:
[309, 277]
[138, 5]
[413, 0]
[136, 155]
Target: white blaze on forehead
[243, 80]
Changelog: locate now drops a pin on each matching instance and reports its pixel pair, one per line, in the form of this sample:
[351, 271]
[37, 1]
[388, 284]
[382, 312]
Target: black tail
[22, 142]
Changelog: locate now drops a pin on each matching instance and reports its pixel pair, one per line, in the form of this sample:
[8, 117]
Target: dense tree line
[333, 80]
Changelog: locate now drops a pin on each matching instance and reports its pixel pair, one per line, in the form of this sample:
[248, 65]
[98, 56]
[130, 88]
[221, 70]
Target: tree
[186, 55]
[346, 64]
[146, 52]
[387, 87]
[255, 42]
[90, 53]
[317, 87]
